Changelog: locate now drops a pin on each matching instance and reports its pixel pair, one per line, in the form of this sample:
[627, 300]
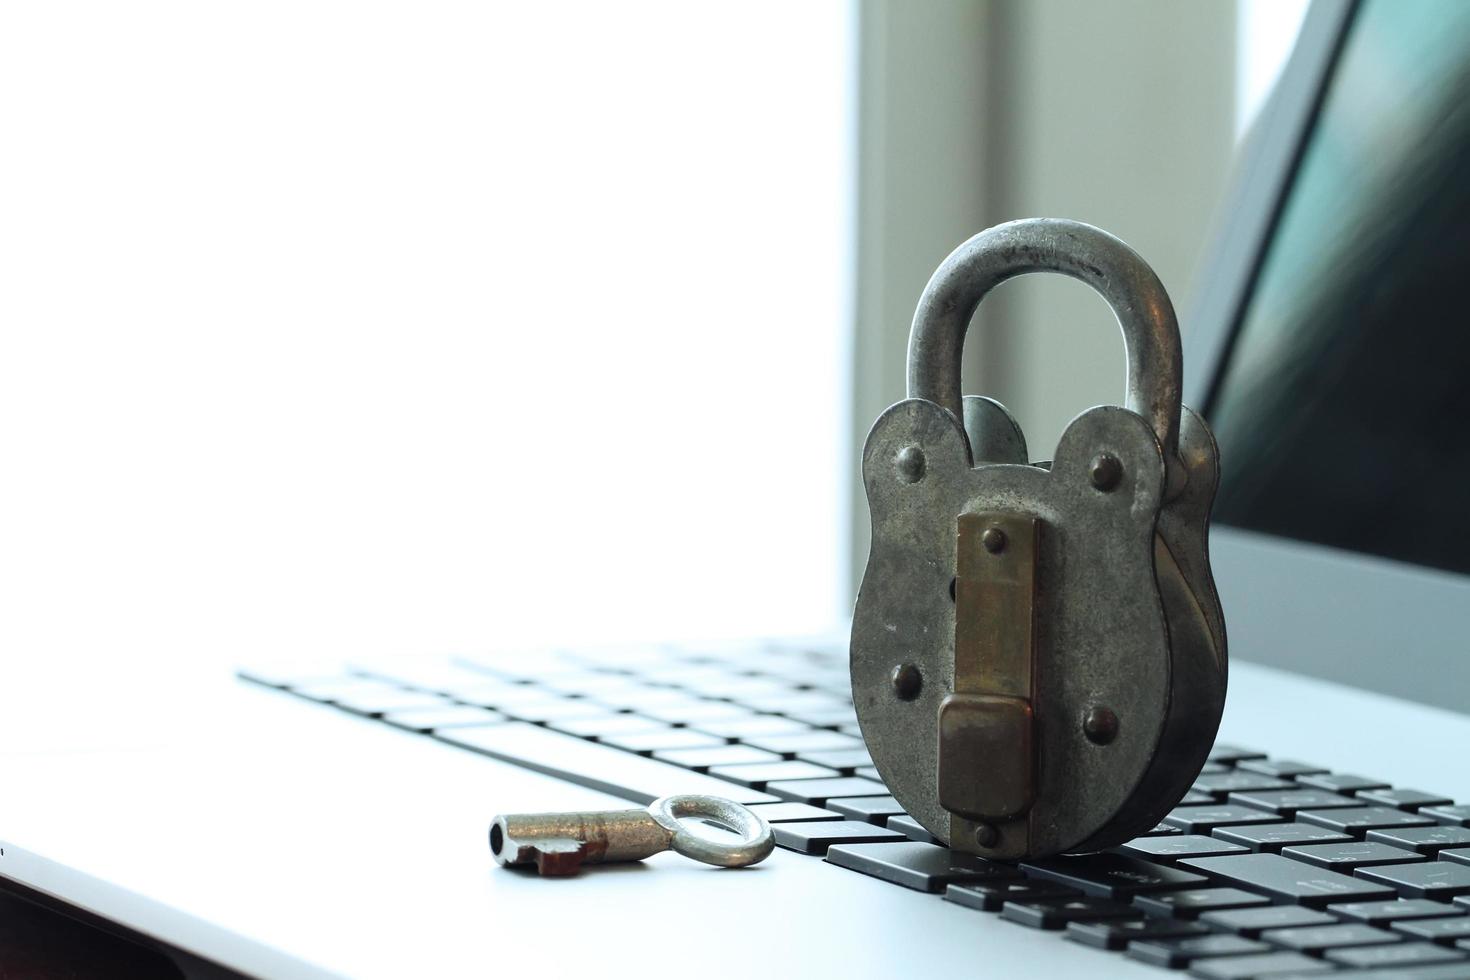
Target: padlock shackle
[1137, 298]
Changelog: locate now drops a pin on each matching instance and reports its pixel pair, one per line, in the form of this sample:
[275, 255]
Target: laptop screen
[1341, 409]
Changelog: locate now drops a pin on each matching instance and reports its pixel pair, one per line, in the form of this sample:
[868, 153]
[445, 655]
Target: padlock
[1038, 650]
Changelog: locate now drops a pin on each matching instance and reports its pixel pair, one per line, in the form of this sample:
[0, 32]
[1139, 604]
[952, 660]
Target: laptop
[314, 821]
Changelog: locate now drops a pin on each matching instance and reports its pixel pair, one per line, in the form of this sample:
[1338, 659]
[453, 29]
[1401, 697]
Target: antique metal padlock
[1038, 651]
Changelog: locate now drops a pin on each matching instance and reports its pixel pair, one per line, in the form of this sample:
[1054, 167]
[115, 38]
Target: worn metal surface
[987, 734]
[756, 839]
[1150, 330]
[560, 843]
[986, 726]
[1128, 647]
[995, 437]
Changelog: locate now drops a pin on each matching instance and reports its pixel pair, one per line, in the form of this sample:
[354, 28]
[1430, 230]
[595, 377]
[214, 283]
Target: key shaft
[560, 843]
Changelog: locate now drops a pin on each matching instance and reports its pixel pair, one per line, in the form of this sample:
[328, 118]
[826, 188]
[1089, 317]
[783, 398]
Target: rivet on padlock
[1038, 652]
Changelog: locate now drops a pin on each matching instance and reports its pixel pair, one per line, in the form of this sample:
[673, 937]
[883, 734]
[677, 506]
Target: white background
[342, 329]
[358, 328]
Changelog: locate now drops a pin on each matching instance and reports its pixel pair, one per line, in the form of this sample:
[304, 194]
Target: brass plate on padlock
[987, 762]
[985, 756]
[995, 603]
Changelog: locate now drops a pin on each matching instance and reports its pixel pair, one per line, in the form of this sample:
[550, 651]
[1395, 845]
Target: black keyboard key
[1235, 781]
[492, 694]
[648, 742]
[1117, 934]
[1437, 880]
[1056, 913]
[1175, 846]
[1182, 951]
[755, 729]
[1162, 830]
[874, 809]
[590, 764]
[1463, 900]
[715, 755]
[992, 896]
[1315, 939]
[380, 700]
[692, 714]
[1447, 930]
[825, 718]
[599, 726]
[671, 704]
[1252, 922]
[1404, 799]
[1275, 836]
[816, 837]
[1231, 754]
[1259, 965]
[1455, 816]
[1203, 819]
[1195, 798]
[1460, 855]
[791, 744]
[1191, 903]
[1210, 768]
[447, 716]
[553, 709]
[760, 774]
[1346, 858]
[792, 812]
[846, 759]
[1393, 955]
[1279, 767]
[923, 867]
[1289, 881]
[789, 702]
[1287, 802]
[1360, 819]
[1340, 782]
[819, 791]
[1425, 840]
[911, 828]
[1384, 913]
[1110, 875]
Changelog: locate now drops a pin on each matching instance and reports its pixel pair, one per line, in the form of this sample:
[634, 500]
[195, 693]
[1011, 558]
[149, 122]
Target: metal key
[560, 843]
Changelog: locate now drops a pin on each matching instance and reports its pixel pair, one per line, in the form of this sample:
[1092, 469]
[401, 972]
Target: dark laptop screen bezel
[1252, 208]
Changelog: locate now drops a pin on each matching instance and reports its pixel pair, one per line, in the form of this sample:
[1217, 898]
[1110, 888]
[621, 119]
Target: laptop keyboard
[1268, 868]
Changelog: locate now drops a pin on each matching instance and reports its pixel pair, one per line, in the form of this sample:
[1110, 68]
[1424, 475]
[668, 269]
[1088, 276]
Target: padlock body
[1072, 678]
